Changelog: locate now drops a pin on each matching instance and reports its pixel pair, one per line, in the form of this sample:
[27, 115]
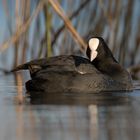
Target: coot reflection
[105, 99]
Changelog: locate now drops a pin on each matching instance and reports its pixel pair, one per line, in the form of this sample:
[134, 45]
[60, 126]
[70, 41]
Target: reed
[46, 28]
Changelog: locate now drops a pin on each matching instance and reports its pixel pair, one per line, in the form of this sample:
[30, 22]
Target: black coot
[69, 73]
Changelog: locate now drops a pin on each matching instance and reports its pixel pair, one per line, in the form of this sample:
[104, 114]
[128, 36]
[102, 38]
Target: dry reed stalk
[105, 14]
[68, 24]
[48, 30]
[127, 31]
[22, 29]
[18, 23]
[25, 15]
[8, 18]
[74, 14]
[117, 16]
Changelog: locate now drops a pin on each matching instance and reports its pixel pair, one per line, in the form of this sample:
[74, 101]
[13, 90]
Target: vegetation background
[32, 29]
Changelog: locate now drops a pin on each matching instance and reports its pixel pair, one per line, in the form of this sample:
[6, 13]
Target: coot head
[98, 51]
[102, 58]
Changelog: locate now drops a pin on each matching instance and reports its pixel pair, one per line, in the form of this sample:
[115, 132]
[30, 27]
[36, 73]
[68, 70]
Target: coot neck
[107, 66]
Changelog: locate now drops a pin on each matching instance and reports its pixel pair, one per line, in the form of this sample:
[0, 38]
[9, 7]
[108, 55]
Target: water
[114, 116]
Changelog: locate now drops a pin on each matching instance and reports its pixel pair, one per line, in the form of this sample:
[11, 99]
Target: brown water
[104, 116]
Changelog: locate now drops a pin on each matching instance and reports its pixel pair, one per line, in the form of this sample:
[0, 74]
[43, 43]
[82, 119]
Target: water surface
[104, 116]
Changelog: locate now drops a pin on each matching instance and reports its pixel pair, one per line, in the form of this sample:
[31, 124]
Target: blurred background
[31, 29]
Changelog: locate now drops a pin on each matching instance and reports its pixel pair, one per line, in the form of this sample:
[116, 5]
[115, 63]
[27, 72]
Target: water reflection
[110, 98]
[107, 116]
[19, 82]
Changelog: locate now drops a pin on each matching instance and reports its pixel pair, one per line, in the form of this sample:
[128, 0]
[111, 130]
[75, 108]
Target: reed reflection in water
[68, 116]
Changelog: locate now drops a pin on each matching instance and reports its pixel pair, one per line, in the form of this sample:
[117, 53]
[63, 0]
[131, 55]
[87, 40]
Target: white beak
[93, 45]
[93, 55]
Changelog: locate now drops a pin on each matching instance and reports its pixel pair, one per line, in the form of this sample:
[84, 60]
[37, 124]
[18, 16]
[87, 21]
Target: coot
[70, 73]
